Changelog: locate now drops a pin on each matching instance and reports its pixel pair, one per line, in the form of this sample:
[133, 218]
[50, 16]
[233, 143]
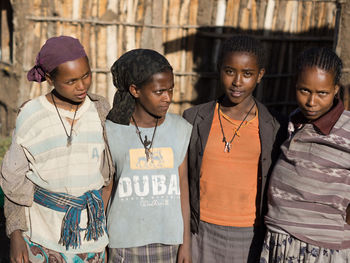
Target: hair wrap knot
[54, 52]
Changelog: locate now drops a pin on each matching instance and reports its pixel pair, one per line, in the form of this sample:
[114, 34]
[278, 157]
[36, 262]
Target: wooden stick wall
[188, 33]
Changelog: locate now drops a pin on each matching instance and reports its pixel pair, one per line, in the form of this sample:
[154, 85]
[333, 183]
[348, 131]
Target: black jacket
[272, 132]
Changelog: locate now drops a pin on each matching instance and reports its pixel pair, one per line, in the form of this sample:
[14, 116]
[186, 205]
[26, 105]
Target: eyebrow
[87, 72]
[245, 69]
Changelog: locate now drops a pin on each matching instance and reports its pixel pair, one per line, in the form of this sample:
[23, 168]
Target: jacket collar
[206, 113]
[93, 97]
[325, 123]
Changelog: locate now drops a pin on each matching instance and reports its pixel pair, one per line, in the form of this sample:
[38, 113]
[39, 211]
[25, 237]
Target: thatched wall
[187, 32]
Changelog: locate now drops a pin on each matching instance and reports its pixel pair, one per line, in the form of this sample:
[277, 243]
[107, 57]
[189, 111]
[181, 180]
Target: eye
[158, 92]
[303, 90]
[86, 75]
[229, 72]
[248, 74]
[70, 82]
[323, 93]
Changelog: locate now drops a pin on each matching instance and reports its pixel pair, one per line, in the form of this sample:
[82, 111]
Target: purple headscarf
[54, 52]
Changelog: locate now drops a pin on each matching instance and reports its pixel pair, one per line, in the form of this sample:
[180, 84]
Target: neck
[242, 106]
[144, 118]
[64, 99]
[238, 111]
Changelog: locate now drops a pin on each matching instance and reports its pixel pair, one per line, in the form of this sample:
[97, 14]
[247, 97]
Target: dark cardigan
[272, 133]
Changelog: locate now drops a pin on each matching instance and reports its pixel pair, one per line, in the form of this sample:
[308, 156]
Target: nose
[311, 100]
[167, 96]
[237, 80]
[80, 84]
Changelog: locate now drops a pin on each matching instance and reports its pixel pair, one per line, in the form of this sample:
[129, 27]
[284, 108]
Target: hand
[18, 248]
[347, 219]
[184, 254]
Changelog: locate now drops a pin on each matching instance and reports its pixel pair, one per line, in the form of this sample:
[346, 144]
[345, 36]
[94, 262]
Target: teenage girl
[309, 193]
[53, 173]
[148, 216]
[234, 142]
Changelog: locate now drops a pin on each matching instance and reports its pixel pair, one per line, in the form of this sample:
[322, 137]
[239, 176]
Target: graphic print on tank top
[156, 186]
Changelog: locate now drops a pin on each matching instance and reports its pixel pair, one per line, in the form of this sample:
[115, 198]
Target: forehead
[240, 58]
[165, 78]
[74, 68]
[316, 76]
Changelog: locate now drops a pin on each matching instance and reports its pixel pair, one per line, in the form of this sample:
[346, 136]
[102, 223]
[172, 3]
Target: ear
[336, 89]
[135, 92]
[49, 79]
[260, 75]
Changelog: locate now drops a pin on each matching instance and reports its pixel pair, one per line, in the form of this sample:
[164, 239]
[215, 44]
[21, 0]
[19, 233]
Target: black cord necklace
[228, 144]
[147, 144]
[69, 136]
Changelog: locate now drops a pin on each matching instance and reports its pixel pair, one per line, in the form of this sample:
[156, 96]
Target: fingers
[18, 248]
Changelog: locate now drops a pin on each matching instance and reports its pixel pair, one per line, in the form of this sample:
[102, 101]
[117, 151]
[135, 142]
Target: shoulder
[344, 120]
[271, 115]
[179, 121]
[31, 117]
[29, 108]
[203, 109]
[101, 103]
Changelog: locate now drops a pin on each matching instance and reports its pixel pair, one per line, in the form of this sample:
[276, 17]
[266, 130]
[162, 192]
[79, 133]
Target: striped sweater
[55, 167]
[310, 186]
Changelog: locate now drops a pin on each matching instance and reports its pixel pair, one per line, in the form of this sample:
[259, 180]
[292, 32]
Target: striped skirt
[280, 248]
[40, 254]
[226, 244]
[152, 253]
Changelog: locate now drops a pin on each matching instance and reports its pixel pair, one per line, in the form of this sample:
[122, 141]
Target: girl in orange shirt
[235, 139]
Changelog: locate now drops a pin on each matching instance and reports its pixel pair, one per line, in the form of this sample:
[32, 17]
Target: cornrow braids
[243, 43]
[322, 58]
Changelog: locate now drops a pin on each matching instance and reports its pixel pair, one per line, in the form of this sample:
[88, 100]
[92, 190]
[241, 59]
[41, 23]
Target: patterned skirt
[40, 254]
[152, 253]
[280, 248]
[226, 244]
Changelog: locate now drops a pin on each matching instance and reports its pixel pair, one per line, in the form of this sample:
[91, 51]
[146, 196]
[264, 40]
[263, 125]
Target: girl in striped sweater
[309, 192]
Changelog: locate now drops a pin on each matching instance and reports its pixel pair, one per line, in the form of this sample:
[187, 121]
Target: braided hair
[134, 67]
[322, 58]
[243, 43]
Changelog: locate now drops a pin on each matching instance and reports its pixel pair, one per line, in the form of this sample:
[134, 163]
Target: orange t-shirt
[228, 182]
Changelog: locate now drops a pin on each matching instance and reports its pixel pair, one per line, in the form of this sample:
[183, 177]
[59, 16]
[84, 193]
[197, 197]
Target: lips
[236, 93]
[82, 95]
[164, 108]
[310, 113]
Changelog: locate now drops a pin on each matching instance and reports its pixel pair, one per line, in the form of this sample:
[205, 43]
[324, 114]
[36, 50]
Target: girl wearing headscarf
[57, 164]
[148, 217]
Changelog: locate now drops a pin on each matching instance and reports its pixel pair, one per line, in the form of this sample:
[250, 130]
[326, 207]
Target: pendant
[227, 147]
[69, 141]
[148, 154]
[146, 142]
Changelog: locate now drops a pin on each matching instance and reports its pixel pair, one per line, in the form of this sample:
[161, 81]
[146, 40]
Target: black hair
[53, 73]
[166, 68]
[322, 58]
[243, 43]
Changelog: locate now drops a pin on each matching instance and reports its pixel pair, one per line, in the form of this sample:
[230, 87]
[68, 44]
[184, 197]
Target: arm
[347, 219]
[184, 254]
[106, 194]
[15, 224]
[18, 194]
